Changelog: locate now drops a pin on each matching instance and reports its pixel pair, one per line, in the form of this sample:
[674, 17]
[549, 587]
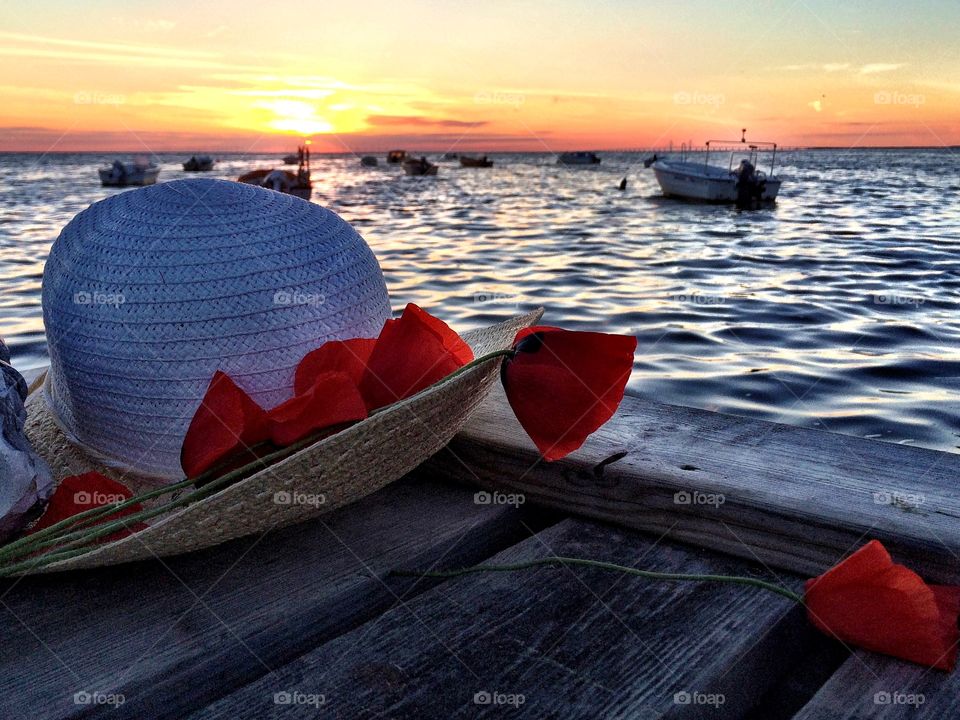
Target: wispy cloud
[109, 47]
[419, 121]
[873, 68]
[40, 47]
[829, 67]
[834, 67]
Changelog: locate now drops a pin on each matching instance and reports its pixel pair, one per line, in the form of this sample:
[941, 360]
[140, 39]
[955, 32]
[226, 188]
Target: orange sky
[256, 76]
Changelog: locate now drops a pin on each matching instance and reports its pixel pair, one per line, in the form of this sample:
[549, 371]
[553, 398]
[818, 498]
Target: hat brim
[322, 477]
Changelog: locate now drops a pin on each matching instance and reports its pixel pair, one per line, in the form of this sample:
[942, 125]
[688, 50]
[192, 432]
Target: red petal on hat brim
[869, 601]
[563, 385]
[227, 422]
[412, 353]
[332, 401]
[452, 342]
[346, 356]
[79, 493]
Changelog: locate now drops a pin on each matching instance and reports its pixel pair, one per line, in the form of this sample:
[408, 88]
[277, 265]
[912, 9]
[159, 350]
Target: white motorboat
[120, 174]
[744, 184]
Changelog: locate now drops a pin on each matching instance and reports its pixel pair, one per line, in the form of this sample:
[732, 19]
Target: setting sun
[295, 116]
[616, 77]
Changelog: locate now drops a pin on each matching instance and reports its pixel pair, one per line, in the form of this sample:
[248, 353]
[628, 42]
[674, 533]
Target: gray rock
[25, 480]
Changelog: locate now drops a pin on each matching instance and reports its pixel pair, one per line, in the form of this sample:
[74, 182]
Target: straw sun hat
[147, 293]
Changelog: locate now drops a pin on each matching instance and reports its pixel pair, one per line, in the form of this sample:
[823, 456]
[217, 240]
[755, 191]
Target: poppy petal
[869, 601]
[413, 352]
[347, 356]
[331, 401]
[563, 385]
[453, 343]
[78, 493]
[227, 422]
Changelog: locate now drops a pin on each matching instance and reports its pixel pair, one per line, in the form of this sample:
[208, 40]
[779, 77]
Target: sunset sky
[357, 76]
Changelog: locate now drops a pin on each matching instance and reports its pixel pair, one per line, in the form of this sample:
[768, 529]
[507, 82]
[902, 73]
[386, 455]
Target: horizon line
[667, 148]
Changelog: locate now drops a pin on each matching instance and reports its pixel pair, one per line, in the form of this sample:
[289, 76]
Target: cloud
[833, 67]
[829, 67]
[125, 54]
[124, 48]
[394, 120]
[873, 68]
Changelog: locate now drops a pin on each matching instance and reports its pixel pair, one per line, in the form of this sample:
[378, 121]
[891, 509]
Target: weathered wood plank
[872, 687]
[796, 498]
[574, 642]
[171, 636]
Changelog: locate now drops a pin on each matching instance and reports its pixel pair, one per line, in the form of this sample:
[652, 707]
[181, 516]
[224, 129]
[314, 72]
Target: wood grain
[173, 635]
[795, 498]
[873, 687]
[574, 642]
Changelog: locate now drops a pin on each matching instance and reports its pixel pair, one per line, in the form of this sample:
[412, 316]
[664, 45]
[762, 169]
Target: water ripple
[836, 309]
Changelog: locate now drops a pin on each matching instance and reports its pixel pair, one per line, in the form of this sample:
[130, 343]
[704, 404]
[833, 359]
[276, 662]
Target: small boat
[396, 156]
[475, 162]
[199, 163]
[140, 172]
[368, 161]
[283, 180]
[745, 184]
[449, 156]
[578, 158]
[422, 166]
[291, 159]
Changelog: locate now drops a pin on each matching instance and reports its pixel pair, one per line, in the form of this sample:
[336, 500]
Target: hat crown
[149, 292]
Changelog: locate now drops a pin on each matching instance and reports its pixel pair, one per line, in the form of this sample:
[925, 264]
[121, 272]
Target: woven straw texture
[339, 470]
[147, 293]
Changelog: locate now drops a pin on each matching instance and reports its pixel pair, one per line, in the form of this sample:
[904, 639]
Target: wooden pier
[306, 621]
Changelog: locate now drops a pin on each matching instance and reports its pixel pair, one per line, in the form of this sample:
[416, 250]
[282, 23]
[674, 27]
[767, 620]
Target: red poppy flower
[869, 601]
[412, 352]
[227, 422]
[563, 385]
[332, 400]
[346, 356]
[78, 493]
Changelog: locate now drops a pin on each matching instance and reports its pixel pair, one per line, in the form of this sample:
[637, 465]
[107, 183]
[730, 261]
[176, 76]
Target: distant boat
[396, 156]
[475, 162]
[284, 181]
[291, 159]
[578, 158]
[419, 167]
[199, 163]
[746, 185]
[120, 174]
[368, 161]
[449, 156]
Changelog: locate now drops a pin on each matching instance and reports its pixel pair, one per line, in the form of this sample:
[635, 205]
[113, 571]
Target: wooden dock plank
[796, 498]
[872, 687]
[574, 642]
[171, 636]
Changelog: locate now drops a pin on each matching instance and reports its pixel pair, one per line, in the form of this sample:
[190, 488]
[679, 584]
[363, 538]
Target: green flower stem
[474, 363]
[72, 534]
[26, 566]
[734, 579]
[81, 519]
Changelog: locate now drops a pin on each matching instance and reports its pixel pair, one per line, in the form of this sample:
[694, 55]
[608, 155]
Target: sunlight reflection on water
[836, 309]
